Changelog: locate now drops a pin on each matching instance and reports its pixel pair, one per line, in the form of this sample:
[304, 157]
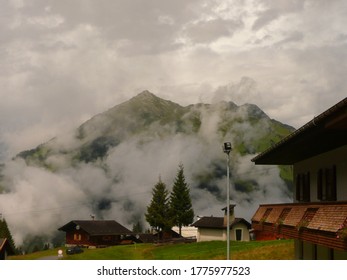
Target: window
[266, 214]
[77, 237]
[283, 215]
[326, 184]
[307, 218]
[309, 214]
[303, 187]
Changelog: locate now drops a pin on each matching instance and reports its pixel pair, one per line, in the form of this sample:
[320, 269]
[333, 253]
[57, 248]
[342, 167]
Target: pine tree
[5, 232]
[180, 201]
[137, 228]
[158, 211]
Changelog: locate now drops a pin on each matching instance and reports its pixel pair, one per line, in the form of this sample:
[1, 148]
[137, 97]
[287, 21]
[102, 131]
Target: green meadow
[212, 250]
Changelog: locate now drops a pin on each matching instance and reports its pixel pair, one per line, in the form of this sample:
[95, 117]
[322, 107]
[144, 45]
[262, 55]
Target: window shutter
[306, 185]
[327, 182]
[298, 182]
[320, 184]
[330, 174]
[333, 187]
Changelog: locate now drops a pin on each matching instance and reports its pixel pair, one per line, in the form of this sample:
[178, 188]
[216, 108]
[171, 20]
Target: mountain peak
[150, 102]
[145, 95]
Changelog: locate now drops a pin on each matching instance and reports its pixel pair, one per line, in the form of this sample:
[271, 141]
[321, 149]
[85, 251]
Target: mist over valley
[109, 164]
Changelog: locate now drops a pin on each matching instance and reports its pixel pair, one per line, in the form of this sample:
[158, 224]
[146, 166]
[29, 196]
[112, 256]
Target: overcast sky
[65, 61]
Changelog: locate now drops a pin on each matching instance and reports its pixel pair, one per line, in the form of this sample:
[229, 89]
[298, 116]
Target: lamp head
[227, 147]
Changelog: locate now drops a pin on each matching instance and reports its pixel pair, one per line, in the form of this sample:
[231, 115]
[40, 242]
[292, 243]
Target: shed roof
[97, 227]
[326, 217]
[325, 132]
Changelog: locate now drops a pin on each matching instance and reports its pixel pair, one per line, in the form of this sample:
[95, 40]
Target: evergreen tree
[157, 214]
[180, 201]
[137, 228]
[5, 232]
[46, 247]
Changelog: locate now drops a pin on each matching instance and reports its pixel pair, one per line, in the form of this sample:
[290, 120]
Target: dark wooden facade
[5, 249]
[95, 233]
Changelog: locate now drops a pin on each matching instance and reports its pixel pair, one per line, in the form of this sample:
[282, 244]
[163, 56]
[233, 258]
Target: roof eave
[272, 156]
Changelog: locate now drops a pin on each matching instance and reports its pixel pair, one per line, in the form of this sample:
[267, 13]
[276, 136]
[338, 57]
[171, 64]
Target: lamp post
[227, 149]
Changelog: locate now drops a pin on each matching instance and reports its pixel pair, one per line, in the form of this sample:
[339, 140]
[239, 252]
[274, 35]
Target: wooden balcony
[319, 223]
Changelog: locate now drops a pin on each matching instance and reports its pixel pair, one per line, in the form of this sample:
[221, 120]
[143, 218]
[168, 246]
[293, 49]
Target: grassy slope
[213, 250]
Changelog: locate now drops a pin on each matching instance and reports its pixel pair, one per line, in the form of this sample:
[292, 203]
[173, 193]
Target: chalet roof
[217, 222]
[146, 237]
[4, 244]
[325, 132]
[318, 216]
[209, 222]
[97, 227]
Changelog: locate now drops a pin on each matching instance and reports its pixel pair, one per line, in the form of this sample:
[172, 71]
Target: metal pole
[227, 149]
[228, 209]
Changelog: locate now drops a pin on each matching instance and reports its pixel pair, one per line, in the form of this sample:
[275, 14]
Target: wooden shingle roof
[326, 216]
[209, 222]
[97, 227]
[295, 215]
[329, 218]
[217, 222]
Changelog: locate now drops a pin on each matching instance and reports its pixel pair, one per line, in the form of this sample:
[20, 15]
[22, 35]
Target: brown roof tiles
[326, 217]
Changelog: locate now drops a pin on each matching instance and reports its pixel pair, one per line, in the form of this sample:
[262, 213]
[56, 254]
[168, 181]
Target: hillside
[147, 117]
[109, 164]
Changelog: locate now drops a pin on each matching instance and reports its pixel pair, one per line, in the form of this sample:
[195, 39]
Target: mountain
[147, 116]
[146, 119]
[109, 164]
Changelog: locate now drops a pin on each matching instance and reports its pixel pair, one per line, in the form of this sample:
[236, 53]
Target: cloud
[271, 11]
[211, 30]
[37, 199]
[119, 187]
[240, 93]
[294, 37]
[63, 62]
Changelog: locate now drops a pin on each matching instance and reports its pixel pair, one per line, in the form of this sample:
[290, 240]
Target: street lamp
[227, 149]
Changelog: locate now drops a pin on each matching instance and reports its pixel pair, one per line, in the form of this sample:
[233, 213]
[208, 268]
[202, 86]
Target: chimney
[232, 214]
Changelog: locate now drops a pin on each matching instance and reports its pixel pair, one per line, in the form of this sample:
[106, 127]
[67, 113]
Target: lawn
[216, 250]
[212, 250]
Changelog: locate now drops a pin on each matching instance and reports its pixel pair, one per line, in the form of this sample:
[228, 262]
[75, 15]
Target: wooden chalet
[215, 228]
[317, 218]
[95, 233]
[5, 249]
